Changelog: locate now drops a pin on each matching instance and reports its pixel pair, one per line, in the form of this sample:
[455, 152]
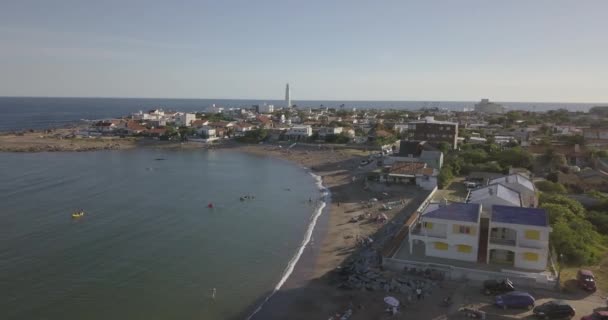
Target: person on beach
[419, 293]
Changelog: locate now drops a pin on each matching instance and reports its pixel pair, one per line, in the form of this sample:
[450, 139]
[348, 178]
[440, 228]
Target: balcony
[418, 231]
[502, 242]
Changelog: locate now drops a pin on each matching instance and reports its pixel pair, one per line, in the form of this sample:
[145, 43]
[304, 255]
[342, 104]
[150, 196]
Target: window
[461, 229]
[428, 225]
[464, 248]
[530, 256]
[441, 246]
[532, 234]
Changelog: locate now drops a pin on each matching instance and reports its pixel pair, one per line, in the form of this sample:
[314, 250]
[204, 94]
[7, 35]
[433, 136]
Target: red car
[586, 280]
[598, 315]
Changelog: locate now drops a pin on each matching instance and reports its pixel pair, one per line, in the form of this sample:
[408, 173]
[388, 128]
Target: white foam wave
[307, 237]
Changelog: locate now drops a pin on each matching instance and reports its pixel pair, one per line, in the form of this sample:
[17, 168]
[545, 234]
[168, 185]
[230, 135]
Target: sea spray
[325, 196]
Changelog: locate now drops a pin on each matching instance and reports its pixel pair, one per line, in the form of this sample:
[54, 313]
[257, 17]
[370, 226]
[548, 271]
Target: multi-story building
[184, 119]
[448, 231]
[519, 237]
[485, 106]
[432, 131]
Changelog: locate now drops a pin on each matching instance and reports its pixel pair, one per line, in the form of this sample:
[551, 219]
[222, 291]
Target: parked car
[494, 287]
[586, 280]
[471, 184]
[598, 315]
[555, 309]
[515, 299]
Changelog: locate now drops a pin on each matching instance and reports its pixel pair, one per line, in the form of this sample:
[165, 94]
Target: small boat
[78, 214]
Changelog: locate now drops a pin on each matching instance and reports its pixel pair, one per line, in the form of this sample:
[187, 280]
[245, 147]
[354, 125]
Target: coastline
[334, 241]
[312, 290]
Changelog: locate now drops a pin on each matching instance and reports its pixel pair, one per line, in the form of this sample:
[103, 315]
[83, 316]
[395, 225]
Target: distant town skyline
[543, 50]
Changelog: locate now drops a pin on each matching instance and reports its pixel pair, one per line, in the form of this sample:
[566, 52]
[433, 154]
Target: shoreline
[302, 286]
[312, 291]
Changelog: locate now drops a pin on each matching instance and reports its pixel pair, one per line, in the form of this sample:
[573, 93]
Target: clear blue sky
[526, 50]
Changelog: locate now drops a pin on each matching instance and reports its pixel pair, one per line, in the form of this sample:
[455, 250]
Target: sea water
[148, 246]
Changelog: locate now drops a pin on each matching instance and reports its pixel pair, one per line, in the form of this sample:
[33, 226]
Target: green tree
[445, 176]
[562, 200]
[551, 187]
[515, 157]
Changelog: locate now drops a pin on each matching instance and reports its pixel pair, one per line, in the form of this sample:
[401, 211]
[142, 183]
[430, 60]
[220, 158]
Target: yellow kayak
[78, 214]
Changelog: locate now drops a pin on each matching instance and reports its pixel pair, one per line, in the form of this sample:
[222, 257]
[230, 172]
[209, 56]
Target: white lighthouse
[288, 96]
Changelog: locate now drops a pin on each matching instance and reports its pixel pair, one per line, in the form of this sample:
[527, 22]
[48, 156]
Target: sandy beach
[349, 219]
[56, 140]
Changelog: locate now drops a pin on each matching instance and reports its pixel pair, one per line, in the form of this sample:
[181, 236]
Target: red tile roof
[407, 168]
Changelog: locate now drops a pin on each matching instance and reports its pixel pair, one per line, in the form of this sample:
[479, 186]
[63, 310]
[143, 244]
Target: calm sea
[148, 246]
[20, 113]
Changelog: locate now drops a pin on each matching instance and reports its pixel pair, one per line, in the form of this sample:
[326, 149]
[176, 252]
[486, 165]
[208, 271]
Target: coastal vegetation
[575, 233]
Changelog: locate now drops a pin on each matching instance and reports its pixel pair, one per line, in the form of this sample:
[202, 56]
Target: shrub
[551, 187]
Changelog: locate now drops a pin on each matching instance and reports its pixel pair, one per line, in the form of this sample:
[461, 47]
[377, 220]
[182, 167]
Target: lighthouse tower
[288, 96]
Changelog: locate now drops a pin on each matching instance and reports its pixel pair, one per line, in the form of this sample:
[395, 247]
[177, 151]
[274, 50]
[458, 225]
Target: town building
[328, 131]
[431, 130]
[494, 194]
[184, 119]
[595, 137]
[298, 132]
[485, 106]
[519, 237]
[521, 184]
[265, 108]
[447, 231]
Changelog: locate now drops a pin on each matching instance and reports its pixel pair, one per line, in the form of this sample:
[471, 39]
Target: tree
[445, 147]
[254, 136]
[551, 187]
[559, 199]
[515, 157]
[445, 176]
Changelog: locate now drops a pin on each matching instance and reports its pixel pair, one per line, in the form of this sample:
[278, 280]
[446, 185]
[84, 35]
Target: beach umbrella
[391, 301]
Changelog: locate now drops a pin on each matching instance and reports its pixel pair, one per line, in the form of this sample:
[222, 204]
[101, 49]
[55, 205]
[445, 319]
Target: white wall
[426, 184]
[540, 264]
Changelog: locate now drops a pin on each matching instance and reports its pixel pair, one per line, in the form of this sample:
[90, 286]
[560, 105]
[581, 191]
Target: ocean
[148, 246]
[19, 113]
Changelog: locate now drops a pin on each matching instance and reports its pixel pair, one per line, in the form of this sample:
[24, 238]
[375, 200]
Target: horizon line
[333, 100]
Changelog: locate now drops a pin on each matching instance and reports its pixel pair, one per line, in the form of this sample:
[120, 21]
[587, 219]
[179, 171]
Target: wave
[325, 196]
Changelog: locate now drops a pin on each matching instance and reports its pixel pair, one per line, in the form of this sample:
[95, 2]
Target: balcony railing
[418, 231]
[504, 242]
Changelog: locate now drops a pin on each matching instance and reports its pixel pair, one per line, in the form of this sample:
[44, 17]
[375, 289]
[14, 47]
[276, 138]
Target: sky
[517, 50]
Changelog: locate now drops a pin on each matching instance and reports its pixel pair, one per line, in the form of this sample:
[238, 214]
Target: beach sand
[318, 296]
[56, 140]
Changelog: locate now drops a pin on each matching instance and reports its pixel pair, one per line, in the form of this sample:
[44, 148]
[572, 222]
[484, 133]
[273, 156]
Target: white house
[207, 131]
[427, 178]
[521, 184]
[447, 231]
[184, 119]
[266, 108]
[299, 132]
[494, 194]
[327, 131]
[519, 237]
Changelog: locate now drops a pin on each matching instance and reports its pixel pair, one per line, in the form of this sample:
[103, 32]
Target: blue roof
[468, 212]
[518, 215]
